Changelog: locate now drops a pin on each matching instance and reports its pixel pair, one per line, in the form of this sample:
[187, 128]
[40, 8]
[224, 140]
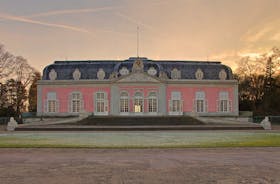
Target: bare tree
[7, 64]
[15, 67]
[16, 75]
[254, 75]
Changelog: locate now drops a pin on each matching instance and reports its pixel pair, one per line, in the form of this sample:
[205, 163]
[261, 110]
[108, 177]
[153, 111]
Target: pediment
[138, 77]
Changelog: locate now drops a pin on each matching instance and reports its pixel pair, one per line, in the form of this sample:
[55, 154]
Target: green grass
[139, 140]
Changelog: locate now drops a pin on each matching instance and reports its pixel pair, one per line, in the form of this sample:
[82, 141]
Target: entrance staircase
[138, 123]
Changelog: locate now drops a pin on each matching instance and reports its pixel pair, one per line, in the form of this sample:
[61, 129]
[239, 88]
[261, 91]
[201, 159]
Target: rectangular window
[101, 102]
[223, 106]
[176, 106]
[199, 105]
[223, 101]
[51, 102]
[51, 105]
[76, 102]
[100, 96]
[152, 105]
[100, 106]
[124, 105]
[138, 105]
[76, 106]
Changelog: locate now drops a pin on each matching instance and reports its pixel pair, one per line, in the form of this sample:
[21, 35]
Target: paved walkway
[155, 166]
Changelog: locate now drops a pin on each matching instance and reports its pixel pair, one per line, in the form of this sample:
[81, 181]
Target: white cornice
[181, 81]
[187, 81]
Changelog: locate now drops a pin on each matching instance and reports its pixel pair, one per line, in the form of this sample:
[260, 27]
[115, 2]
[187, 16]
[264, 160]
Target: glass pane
[199, 105]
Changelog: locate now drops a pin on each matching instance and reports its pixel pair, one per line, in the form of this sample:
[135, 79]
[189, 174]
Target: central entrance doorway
[138, 103]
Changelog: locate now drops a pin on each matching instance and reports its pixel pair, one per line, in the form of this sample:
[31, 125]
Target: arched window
[224, 104]
[52, 103]
[76, 102]
[138, 102]
[152, 102]
[124, 102]
[200, 102]
[101, 103]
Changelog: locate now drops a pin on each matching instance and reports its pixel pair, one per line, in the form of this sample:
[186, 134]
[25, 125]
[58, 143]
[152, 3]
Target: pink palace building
[137, 87]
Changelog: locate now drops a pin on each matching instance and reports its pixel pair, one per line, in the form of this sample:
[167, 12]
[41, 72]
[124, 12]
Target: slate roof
[88, 69]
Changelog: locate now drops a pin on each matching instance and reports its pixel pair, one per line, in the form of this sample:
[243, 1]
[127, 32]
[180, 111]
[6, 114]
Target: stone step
[139, 120]
[137, 128]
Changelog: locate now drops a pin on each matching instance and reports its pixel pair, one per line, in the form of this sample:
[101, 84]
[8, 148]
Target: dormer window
[152, 71]
[199, 74]
[124, 71]
[175, 74]
[222, 75]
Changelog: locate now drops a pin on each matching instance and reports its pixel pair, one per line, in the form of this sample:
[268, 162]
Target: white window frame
[124, 107]
[176, 103]
[51, 100]
[224, 104]
[138, 100]
[99, 101]
[78, 101]
[152, 102]
[200, 104]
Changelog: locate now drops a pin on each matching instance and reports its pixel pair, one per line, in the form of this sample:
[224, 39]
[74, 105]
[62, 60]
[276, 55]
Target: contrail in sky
[134, 21]
[71, 11]
[30, 21]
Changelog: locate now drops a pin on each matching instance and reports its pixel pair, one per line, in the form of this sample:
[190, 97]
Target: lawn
[161, 139]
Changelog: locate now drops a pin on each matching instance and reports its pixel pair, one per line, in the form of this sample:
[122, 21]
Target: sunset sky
[43, 31]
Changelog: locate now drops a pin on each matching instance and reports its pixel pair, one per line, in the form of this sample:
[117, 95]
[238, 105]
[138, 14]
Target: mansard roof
[89, 69]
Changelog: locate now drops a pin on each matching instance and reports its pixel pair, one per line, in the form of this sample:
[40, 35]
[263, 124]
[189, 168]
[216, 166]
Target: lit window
[138, 102]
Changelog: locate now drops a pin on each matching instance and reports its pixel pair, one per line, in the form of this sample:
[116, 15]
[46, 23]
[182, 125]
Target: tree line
[259, 83]
[18, 88]
[258, 80]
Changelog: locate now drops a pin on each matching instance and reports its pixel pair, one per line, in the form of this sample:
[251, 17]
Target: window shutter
[181, 105]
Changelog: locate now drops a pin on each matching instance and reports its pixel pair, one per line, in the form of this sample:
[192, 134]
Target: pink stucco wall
[64, 92]
[144, 89]
[188, 96]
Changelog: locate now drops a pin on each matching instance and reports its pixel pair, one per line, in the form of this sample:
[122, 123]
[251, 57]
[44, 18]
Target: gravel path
[155, 166]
